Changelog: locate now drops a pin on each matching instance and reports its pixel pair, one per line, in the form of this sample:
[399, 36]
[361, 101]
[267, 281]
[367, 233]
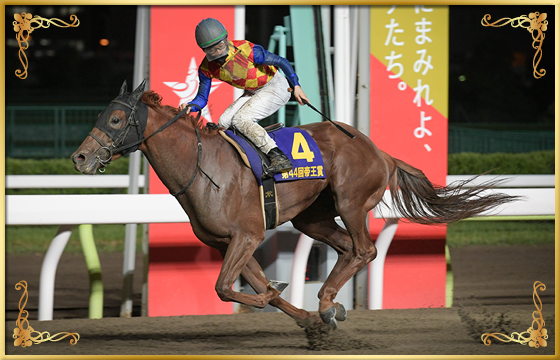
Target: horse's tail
[421, 201]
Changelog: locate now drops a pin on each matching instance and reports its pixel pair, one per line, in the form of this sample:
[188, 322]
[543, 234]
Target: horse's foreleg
[237, 255]
[255, 276]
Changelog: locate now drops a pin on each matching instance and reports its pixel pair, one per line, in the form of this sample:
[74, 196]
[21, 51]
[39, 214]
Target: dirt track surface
[493, 293]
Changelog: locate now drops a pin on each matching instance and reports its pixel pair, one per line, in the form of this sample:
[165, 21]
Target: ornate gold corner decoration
[535, 337]
[23, 334]
[25, 24]
[535, 22]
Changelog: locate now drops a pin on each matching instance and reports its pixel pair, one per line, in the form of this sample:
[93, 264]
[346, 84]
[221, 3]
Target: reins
[163, 127]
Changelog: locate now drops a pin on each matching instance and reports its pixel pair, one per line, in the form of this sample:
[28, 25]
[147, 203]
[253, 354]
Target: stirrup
[270, 173]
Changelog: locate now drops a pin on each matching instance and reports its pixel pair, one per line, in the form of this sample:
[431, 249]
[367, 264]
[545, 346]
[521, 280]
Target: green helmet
[209, 32]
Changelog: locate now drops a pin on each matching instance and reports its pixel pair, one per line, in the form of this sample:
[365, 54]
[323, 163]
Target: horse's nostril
[79, 158]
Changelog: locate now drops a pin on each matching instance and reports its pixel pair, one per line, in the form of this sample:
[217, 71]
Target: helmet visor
[217, 50]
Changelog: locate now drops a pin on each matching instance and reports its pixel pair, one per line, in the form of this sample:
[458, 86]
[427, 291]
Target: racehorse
[220, 195]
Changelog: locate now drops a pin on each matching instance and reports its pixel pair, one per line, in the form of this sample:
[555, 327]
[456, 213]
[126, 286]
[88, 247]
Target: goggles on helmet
[217, 50]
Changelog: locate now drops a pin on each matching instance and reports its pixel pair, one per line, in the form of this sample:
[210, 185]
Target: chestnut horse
[223, 201]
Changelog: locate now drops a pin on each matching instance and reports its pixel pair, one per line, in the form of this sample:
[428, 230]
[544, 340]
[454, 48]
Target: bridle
[104, 154]
[133, 119]
[115, 147]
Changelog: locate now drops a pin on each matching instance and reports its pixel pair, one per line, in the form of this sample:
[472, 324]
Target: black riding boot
[279, 162]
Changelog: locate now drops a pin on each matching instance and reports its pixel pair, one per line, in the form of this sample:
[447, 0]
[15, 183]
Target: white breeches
[254, 106]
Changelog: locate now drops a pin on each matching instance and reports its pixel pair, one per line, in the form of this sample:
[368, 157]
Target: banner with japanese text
[409, 81]
[409, 109]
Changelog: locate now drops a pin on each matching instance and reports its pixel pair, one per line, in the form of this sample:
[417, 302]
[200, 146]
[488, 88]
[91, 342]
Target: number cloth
[299, 147]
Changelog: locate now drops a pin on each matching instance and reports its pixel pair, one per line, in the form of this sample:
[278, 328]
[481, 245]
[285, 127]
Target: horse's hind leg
[354, 246]
[236, 256]
[255, 276]
[363, 252]
[335, 236]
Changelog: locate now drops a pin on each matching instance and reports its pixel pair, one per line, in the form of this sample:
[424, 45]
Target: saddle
[300, 148]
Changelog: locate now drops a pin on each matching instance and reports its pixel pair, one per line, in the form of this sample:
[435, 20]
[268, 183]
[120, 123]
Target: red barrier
[182, 271]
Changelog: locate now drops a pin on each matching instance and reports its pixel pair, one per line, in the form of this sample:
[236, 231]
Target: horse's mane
[153, 100]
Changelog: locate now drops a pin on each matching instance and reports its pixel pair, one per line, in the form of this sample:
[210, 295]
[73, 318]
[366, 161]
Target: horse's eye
[115, 120]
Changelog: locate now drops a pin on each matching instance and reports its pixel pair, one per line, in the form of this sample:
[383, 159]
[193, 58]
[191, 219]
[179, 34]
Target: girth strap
[199, 147]
[197, 165]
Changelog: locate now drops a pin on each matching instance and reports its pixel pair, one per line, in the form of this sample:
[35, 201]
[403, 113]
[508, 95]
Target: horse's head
[117, 130]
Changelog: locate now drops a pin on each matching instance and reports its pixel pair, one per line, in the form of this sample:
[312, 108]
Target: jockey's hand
[212, 126]
[182, 106]
[300, 95]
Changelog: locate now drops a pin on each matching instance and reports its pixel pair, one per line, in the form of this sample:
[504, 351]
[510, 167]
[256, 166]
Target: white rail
[511, 181]
[93, 209]
[69, 181]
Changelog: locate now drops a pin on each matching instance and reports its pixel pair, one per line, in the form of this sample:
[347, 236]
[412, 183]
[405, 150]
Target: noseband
[108, 153]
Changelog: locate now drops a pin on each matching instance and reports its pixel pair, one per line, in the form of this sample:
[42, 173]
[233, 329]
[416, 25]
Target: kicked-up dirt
[493, 292]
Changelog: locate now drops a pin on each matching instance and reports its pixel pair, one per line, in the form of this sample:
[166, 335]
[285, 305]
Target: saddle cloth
[299, 147]
[297, 144]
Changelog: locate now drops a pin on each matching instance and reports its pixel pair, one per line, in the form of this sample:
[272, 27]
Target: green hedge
[57, 166]
[538, 162]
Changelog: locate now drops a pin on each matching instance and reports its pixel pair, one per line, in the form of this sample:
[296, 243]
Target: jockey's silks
[239, 69]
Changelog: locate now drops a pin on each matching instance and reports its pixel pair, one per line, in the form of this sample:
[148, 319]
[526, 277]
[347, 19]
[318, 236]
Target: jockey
[250, 67]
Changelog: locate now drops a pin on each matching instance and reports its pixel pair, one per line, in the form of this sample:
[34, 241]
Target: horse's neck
[173, 153]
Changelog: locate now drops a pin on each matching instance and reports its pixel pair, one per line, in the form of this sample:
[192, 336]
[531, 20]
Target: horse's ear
[124, 88]
[137, 93]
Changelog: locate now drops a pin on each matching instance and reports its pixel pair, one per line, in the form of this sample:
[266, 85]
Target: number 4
[306, 153]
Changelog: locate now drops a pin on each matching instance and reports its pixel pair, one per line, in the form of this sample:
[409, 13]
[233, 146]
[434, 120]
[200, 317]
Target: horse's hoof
[278, 285]
[340, 313]
[328, 315]
[334, 313]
